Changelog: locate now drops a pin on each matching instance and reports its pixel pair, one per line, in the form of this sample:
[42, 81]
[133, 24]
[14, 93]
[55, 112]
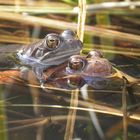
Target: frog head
[94, 68]
[53, 50]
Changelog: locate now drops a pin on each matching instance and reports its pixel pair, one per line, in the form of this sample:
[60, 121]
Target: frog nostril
[52, 40]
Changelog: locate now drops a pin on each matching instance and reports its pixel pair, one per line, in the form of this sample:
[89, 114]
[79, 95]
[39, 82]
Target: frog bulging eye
[52, 41]
[77, 63]
[68, 34]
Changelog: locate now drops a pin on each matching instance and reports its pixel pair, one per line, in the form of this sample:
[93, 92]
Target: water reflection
[36, 113]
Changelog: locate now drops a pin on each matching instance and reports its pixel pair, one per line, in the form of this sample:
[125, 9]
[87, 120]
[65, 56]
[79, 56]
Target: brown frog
[51, 51]
[93, 68]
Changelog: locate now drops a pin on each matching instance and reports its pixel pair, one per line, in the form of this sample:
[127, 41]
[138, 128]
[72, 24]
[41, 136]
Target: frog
[51, 51]
[98, 72]
[94, 69]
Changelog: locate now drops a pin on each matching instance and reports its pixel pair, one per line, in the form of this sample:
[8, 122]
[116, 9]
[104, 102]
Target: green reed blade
[3, 133]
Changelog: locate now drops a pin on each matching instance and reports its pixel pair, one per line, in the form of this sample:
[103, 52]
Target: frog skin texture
[93, 70]
[51, 51]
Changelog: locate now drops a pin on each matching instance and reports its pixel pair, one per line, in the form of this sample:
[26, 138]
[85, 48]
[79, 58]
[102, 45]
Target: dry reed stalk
[89, 106]
[26, 126]
[124, 107]
[81, 19]
[36, 122]
[7, 77]
[113, 49]
[74, 93]
[113, 5]
[100, 32]
[15, 39]
[106, 47]
[121, 52]
[105, 109]
[71, 116]
[60, 118]
[35, 93]
[34, 3]
[39, 9]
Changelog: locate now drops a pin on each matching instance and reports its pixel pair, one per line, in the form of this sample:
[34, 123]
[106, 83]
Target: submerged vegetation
[58, 109]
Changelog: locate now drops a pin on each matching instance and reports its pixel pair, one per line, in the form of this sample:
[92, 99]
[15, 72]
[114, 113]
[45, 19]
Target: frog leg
[24, 72]
[39, 74]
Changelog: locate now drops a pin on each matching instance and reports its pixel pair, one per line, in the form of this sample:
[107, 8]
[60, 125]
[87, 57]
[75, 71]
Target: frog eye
[77, 63]
[68, 34]
[95, 53]
[52, 41]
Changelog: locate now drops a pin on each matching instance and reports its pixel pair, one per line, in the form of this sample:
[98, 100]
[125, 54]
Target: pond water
[45, 94]
[33, 112]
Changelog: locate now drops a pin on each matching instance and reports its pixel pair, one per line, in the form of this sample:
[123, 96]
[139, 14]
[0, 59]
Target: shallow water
[58, 110]
[35, 113]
